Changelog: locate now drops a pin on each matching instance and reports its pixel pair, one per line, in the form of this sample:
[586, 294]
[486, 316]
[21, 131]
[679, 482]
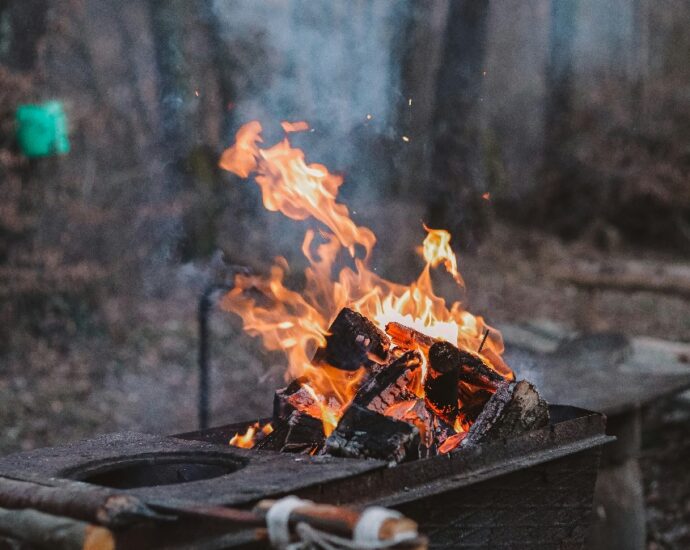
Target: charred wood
[416, 413]
[353, 341]
[362, 433]
[441, 386]
[515, 408]
[389, 384]
[472, 400]
[443, 356]
[304, 434]
[290, 398]
[408, 338]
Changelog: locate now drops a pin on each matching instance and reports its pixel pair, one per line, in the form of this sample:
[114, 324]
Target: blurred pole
[559, 83]
[422, 59]
[204, 309]
[457, 173]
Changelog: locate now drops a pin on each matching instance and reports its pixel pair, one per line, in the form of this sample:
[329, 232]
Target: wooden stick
[41, 530]
[341, 521]
[75, 500]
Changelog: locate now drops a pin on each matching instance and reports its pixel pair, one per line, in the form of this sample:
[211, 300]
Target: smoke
[329, 63]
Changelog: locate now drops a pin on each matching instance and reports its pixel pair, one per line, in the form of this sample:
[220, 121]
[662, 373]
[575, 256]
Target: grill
[531, 491]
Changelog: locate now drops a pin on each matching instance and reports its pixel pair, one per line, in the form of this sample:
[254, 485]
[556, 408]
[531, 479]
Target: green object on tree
[42, 129]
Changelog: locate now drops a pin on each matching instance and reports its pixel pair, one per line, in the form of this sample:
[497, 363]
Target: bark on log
[76, 501]
[362, 433]
[40, 530]
[389, 384]
[470, 366]
[514, 409]
[353, 341]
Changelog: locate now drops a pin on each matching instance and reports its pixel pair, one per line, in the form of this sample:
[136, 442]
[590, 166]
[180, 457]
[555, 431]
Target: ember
[378, 369]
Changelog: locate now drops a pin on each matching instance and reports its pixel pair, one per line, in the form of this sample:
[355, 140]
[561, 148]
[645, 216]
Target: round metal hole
[155, 470]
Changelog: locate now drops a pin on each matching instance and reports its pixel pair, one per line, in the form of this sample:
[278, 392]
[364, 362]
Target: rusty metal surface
[545, 506]
[263, 473]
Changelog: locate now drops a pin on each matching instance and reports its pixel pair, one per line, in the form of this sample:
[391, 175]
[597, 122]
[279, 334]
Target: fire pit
[533, 490]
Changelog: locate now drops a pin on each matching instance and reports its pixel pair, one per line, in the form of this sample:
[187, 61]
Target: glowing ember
[297, 322]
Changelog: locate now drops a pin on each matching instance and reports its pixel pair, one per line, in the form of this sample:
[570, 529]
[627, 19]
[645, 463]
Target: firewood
[389, 384]
[353, 341]
[471, 367]
[342, 521]
[441, 386]
[408, 338]
[34, 529]
[472, 400]
[290, 398]
[515, 408]
[362, 433]
[415, 411]
[75, 500]
[304, 435]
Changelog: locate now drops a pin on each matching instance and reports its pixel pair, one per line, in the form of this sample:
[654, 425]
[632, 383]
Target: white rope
[369, 525]
[278, 520]
[365, 536]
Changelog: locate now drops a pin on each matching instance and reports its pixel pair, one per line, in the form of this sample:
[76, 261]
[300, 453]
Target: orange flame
[297, 323]
[247, 440]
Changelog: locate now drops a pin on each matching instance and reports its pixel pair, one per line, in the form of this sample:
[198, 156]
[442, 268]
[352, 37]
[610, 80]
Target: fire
[297, 322]
[248, 439]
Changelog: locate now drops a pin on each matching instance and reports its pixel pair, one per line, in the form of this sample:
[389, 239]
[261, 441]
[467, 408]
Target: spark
[405, 139]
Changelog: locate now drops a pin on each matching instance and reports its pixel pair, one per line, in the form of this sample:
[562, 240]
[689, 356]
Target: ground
[136, 369]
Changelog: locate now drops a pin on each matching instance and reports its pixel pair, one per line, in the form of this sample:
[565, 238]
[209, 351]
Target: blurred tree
[457, 172]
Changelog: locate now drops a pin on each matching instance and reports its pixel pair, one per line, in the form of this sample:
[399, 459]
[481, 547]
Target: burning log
[472, 400]
[353, 341]
[441, 384]
[304, 435]
[390, 384]
[299, 433]
[362, 433]
[515, 408]
[290, 398]
[408, 338]
[415, 412]
[470, 366]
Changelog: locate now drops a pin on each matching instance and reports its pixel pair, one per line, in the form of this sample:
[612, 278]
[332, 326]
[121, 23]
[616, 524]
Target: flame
[247, 440]
[289, 127]
[297, 323]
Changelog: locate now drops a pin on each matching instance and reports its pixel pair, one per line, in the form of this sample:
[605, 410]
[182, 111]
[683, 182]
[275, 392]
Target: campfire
[376, 368]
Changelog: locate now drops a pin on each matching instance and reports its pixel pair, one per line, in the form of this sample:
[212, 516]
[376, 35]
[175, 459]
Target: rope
[365, 536]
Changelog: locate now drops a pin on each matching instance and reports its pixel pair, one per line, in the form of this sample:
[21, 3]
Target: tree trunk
[457, 168]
